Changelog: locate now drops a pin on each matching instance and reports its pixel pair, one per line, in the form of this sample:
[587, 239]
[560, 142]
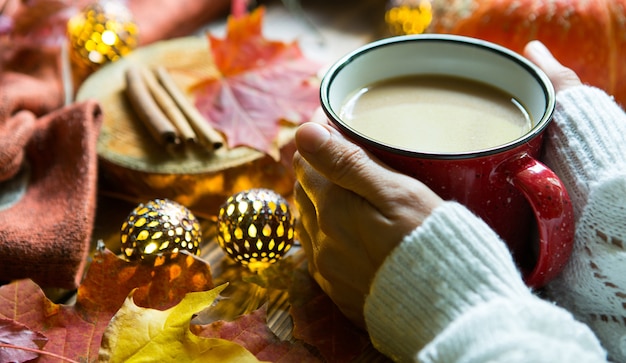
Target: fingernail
[538, 48]
[311, 136]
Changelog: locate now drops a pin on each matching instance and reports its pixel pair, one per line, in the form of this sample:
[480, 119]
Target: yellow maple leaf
[138, 334]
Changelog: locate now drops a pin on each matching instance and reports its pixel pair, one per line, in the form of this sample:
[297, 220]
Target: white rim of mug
[536, 72]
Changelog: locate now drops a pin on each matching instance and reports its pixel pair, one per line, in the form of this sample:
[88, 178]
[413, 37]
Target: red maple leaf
[15, 334]
[251, 331]
[261, 84]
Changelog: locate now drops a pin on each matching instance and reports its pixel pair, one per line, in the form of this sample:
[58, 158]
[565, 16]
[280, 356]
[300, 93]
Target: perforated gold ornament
[160, 227]
[255, 228]
[102, 32]
[408, 16]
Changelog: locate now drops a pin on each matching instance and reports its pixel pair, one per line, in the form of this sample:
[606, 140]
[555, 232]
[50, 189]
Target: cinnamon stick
[207, 135]
[147, 109]
[168, 105]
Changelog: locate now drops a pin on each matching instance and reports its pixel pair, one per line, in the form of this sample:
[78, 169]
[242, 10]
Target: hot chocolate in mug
[466, 117]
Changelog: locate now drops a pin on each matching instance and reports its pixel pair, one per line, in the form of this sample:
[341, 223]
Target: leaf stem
[42, 352]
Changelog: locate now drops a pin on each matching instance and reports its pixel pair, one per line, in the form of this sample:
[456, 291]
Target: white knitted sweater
[451, 293]
[588, 152]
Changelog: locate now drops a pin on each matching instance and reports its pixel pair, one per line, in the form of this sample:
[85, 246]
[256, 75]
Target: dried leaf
[318, 321]
[15, 334]
[137, 334]
[75, 331]
[251, 331]
[262, 84]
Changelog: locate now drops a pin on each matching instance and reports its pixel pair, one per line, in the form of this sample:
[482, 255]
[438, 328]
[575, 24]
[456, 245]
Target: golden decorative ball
[160, 227]
[408, 16]
[103, 32]
[255, 228]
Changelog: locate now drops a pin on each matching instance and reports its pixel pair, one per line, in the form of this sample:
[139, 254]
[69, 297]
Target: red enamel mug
[506, 185]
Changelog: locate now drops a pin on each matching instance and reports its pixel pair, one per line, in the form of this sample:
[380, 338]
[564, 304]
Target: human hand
[560, 76]
[353, 211]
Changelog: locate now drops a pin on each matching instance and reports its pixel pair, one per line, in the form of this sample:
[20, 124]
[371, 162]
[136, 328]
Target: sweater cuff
[449, 264]
[525, 330]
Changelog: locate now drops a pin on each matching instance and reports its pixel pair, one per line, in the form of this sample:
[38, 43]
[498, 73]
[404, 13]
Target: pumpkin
[588, 36]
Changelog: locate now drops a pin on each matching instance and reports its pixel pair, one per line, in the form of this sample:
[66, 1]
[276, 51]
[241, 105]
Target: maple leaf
[251, 331]
[15, 334]
[75, 331]
[319, 322]
[138, 334]
[261, 84]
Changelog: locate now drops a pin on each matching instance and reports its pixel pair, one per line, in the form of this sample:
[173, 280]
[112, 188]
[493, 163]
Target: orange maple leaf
[261, 83]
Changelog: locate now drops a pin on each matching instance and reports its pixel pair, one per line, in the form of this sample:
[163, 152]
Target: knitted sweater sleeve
[450, 292]
[586, 147]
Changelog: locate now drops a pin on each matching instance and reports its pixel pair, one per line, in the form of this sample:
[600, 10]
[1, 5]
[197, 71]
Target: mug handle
[553, 212]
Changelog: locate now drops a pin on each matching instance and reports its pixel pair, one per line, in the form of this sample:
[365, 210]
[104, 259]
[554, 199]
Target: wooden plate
[134, 164]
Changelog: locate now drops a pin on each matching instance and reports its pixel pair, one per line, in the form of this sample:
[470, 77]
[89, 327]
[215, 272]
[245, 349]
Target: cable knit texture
[527, 330]
[466, 294]
[587, 150]
[447, 278]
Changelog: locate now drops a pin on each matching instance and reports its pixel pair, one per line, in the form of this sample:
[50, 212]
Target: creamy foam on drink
[436, 114]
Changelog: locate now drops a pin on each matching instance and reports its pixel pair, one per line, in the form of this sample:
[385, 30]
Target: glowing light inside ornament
[408, 16]
[102, 32]
[95, 57]
[149, 249]
[160, 227]
[243, 207]
[109, 37]
[255, 228]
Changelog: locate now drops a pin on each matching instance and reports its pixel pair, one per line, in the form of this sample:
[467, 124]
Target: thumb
[561, 76]
[345, 163]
